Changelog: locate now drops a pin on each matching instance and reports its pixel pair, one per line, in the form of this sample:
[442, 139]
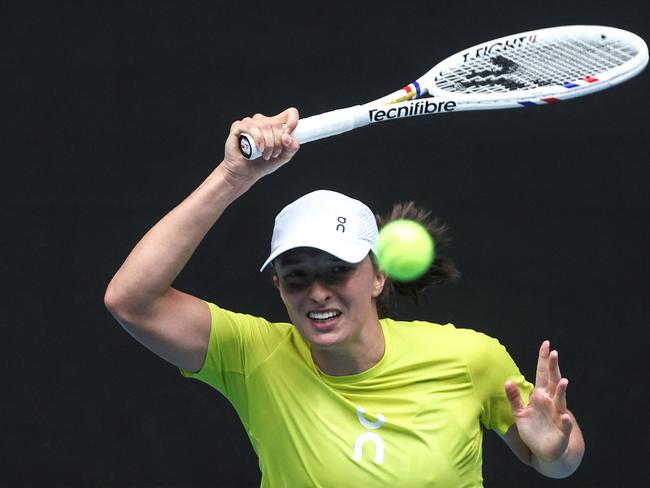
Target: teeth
[322, 315]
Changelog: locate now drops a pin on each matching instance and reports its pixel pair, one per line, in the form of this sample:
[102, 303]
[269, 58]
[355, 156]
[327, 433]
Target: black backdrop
[113, 112]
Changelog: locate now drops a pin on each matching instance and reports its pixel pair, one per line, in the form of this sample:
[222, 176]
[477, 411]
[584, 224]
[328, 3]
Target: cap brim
[345, 250]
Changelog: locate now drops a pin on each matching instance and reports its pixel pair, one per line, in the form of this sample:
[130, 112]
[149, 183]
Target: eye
[340, 272]
[340, 269]
[295, 278]
[296, 273]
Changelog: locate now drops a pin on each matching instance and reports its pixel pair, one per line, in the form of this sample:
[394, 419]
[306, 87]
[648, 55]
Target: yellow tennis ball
[405, 250]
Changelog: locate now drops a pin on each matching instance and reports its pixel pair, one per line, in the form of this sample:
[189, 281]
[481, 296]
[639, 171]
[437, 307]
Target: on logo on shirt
[369, 437]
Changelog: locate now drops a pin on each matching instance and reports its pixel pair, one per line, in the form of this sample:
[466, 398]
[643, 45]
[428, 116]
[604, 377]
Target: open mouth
[323, 316]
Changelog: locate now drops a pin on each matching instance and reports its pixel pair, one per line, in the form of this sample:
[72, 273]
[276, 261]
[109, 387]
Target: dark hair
[442, 269]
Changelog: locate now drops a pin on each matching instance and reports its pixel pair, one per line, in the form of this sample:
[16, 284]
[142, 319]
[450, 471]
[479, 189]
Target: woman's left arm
[545, 434]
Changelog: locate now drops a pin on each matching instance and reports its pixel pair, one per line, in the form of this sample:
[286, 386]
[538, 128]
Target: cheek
[362, 292]
[286, 299]
[290, 299]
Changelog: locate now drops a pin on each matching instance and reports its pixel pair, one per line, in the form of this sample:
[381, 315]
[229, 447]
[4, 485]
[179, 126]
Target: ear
[276, 280]
[380, 281]
[276, 283]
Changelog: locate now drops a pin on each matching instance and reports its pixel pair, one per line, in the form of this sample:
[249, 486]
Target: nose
[319, 292]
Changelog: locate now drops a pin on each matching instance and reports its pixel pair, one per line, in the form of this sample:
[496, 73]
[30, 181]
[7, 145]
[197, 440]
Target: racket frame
[409, 101]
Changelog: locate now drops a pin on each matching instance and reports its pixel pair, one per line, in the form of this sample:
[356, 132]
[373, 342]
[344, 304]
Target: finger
[541, 377]
[554, 359]
[554, 372]
[290, 117]
[291, 148]
[265, 124]
[566, 424]
[560, 395]
[288, 146]
[286, 138]
[273, 129]
[278, 146]
[249, 127]
[514, 397]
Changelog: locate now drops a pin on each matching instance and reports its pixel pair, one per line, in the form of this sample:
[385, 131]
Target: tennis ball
[405, 250]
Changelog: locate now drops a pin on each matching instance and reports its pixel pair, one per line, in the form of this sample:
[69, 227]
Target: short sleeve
[491, 366]
[237, 344]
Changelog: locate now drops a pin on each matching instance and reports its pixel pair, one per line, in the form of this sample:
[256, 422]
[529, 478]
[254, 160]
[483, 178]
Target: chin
[323, 340]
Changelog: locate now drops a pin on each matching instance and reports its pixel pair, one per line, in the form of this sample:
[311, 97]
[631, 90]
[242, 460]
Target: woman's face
[330, 301]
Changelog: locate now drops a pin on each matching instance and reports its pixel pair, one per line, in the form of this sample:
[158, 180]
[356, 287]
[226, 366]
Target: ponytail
[442, 269]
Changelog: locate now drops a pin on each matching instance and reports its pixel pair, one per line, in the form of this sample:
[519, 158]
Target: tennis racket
[522, 70]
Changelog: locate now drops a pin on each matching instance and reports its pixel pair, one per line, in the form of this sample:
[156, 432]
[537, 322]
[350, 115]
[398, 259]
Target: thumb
[290, 118]
[514, 397]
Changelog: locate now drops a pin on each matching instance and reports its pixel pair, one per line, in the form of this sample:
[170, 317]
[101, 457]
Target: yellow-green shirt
[414, 419]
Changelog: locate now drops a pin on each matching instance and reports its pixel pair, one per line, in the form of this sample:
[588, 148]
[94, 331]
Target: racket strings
[534, 65]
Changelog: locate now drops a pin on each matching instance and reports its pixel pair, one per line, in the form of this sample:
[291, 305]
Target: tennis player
[341, 395]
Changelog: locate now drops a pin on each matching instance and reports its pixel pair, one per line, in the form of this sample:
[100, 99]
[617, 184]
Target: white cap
[325, 220]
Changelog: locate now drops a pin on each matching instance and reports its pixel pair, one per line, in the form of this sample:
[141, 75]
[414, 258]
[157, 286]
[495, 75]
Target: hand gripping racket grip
[314, 128]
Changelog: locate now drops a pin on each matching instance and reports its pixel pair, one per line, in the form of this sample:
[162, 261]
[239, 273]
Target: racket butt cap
[248, 147]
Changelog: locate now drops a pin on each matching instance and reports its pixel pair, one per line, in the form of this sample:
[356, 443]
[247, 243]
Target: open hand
[545, 423]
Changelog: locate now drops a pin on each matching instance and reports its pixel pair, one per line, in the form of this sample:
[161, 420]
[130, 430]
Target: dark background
[114, 111]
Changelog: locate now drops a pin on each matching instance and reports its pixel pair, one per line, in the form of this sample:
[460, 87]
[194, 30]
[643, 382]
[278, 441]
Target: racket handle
[314, 128]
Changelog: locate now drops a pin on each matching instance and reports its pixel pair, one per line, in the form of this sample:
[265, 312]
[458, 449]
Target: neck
[352, 358]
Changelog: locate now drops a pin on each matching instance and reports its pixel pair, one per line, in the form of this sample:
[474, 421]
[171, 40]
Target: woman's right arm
[173, 324]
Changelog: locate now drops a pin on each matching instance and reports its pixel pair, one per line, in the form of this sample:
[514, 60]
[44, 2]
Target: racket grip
[315, 127]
